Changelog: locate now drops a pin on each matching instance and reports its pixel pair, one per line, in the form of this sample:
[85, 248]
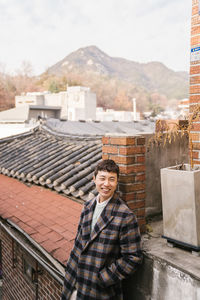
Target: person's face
[106, 184]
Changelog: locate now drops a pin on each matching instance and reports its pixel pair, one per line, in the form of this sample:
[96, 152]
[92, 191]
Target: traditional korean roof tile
[82, 129]
[59, 163]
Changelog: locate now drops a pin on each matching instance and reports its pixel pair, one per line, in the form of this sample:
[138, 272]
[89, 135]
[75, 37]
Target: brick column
[129, 153]
[195, 81]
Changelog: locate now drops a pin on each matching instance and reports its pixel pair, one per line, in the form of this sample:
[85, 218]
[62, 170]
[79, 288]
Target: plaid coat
[100, 260]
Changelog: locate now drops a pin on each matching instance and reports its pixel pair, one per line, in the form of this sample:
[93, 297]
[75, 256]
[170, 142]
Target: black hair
[107, 165]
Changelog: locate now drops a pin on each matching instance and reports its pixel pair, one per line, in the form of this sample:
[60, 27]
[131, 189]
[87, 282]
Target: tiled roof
[62, 164]
[48, 218]
[95, 128]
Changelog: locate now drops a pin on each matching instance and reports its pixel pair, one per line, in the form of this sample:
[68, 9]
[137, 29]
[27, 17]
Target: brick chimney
[195, 79]
[129, 153]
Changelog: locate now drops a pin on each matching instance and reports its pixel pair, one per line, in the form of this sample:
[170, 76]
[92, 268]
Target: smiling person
[107, 245]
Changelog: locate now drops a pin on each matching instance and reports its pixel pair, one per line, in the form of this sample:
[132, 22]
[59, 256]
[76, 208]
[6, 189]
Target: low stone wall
[158, 280]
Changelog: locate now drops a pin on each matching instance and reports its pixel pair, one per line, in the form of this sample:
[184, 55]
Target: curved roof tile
[59, 163]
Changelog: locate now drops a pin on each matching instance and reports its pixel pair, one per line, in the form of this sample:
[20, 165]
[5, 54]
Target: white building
[81, 103]
[36, 98]
[184, 108]
[115, 115]
[77, 103]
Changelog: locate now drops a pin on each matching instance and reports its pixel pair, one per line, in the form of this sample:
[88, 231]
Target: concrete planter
[181, 205]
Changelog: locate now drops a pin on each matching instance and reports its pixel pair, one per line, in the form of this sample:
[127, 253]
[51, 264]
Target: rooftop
[178, 257]
[48, 218]
[62, 164]
[98, 128]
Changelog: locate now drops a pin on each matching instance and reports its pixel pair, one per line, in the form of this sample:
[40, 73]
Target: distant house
[76, 103]
[28, 114]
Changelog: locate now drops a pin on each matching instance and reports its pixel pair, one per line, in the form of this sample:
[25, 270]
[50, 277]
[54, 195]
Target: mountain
[93, 66]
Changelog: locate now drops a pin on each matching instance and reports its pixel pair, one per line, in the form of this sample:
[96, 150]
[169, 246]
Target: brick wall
[195, 83]
[15, 285]
[129, 153]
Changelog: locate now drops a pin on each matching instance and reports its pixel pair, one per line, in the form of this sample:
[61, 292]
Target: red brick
[140, 212]
[140, 159]
[195, 136]
[126, 188]
[128, 197]
[142, 225]
[15, 286]
[196, 162]
[196, 146]
[195, 40]
[122, 141]
[195, 30]
[140, 141]
[131, 150]
[123, 159]
[105, 156]
[195, 155]
[136, 204]
[105, 140]
[194, 79]
[194, 98]
[194, 70]
[132, 169]
[140, 177]
[195, 10]
[110, 149]
[126, 178]
[196, 127]
[194, 89]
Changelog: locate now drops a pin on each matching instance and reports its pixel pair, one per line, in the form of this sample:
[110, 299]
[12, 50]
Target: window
[29, 268]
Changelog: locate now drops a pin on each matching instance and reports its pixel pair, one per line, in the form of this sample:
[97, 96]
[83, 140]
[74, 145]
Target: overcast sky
[45, 31]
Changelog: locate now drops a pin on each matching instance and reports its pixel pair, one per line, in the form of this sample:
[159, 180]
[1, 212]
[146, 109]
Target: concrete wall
[58, 99]
[81, 103]
[47, 113]
[90, 105]
[157, 157]
[157, 280]
[29, 100]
